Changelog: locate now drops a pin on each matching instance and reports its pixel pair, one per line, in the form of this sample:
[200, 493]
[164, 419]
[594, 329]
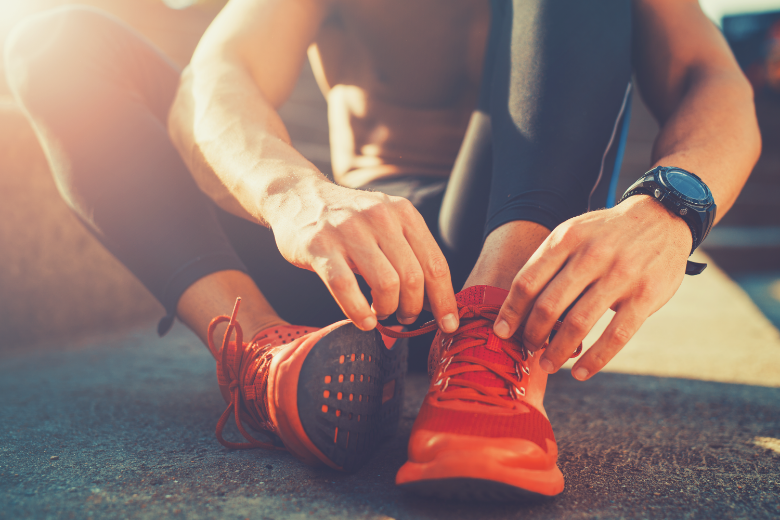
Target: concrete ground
[685, 423]
[683, 426]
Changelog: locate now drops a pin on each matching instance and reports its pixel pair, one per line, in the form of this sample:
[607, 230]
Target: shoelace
[474, 319]
[253, 359]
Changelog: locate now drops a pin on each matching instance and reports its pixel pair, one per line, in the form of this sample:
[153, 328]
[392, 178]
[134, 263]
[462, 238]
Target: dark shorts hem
[530, 213]
[190, 273]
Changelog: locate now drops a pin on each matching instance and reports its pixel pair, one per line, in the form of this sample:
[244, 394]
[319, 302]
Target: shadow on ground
[124, 427]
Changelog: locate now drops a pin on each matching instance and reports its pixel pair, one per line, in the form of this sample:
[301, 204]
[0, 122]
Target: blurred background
[56, 281]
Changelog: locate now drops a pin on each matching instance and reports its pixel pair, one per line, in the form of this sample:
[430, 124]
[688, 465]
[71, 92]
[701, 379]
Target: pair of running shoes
[331, 396]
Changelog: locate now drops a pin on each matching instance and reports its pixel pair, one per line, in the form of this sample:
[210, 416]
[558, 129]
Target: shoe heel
[341, 388]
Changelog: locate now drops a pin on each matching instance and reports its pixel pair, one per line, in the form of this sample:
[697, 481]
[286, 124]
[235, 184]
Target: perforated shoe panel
[350, 394]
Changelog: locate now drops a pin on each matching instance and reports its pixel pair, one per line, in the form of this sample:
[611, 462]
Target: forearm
[713, 132]
[234, 142]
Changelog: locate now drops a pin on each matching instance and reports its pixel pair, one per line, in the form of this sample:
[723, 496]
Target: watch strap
[694, 268]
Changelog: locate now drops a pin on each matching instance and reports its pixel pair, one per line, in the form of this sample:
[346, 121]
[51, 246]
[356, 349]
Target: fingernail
[449, 323]
[380, 318]
[501, 328]
[546, 365]
[580, 373]
[407, 321]
[368, 323]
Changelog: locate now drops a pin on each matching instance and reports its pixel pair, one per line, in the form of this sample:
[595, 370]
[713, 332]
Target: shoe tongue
[491, 350]
[481, 295]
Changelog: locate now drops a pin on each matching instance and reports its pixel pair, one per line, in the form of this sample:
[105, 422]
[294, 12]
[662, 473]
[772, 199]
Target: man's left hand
[630, 258]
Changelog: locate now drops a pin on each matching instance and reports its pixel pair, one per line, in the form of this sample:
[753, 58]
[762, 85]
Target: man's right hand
[336, 232]
[226, 128]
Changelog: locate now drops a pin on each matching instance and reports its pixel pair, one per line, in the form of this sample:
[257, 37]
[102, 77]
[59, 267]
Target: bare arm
[703, 102]
[225, 125]
[224, 120]
[631, 258]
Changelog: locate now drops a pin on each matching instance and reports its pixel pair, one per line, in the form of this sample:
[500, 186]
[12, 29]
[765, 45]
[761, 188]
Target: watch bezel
[661, 176]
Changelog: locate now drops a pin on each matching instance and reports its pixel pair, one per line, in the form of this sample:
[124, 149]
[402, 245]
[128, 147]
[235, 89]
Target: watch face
[686, 185]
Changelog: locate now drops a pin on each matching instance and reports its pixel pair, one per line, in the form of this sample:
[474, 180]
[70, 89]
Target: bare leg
[215, 294]
[506, 250]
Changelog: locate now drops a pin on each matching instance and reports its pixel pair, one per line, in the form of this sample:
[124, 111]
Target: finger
[553, 301]
[341, 282]
[622, 328]
[412, 278]
[381, 276]
[578, 322]
[529, 282]
[436, 272]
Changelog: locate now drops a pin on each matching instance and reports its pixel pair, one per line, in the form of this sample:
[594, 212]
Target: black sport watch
[684, 194]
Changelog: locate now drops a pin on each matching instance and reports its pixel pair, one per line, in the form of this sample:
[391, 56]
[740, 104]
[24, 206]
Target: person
[472, 145]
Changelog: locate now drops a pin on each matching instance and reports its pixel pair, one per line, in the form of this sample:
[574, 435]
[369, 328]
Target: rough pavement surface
[124, 427]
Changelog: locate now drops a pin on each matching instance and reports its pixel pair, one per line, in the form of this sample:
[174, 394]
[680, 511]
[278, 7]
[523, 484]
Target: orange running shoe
[329, 396]
[482, 432]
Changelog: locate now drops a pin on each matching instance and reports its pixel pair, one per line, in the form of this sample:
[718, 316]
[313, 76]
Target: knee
[46, 49]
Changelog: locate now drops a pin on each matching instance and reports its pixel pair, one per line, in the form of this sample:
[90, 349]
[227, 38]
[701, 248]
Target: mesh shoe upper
[242, 374]
[477, 378]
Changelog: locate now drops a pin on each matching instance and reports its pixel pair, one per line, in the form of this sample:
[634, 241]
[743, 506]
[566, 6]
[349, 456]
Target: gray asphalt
[123, 427]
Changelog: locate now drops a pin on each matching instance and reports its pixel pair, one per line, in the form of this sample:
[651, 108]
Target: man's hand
[336, 231]
[225, 125]
[630, 258]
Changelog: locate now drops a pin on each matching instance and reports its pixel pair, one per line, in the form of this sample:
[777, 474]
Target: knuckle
[438, 268]
[414, 279]
[568, 234]
[404, 207]
[343, 231]
[623, 271]
[594, 255]
[545, 308]
[320, 240]
[598, 360]
[578, 323]
[524, 284]
[643, 293]
[340, 282]
[621, 334]
[388, 283]
[380, 212]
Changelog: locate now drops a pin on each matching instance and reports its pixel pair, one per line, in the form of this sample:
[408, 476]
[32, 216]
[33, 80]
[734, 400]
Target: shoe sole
[350, 394]
[478, 475]
[474, 489]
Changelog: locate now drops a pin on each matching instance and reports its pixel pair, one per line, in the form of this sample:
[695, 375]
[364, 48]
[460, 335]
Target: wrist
[650, 212]
[684, 194]
[288, 199]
